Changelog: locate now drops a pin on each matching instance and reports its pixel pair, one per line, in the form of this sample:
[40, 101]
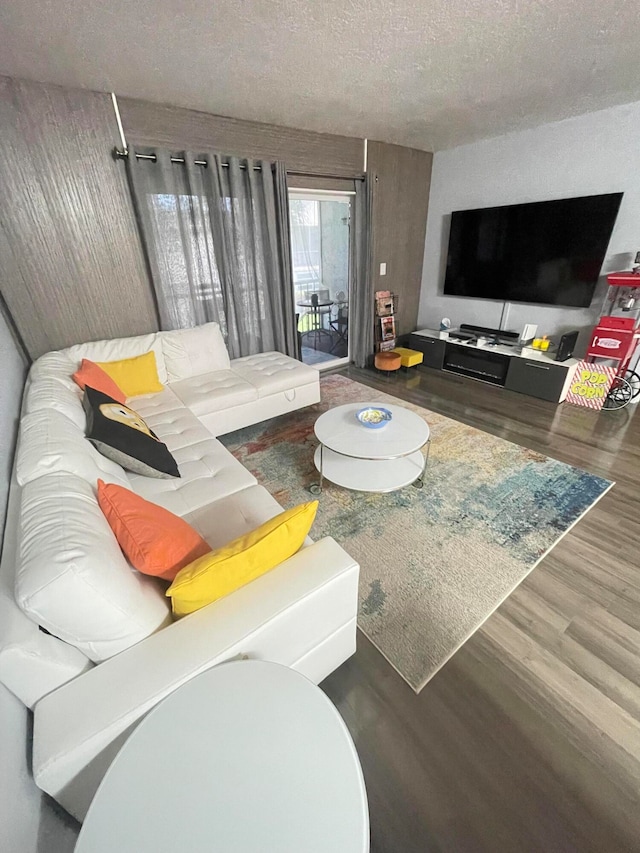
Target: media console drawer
[536, 378]
[431, 348]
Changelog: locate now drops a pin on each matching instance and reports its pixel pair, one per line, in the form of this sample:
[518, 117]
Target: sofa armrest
[281, 616]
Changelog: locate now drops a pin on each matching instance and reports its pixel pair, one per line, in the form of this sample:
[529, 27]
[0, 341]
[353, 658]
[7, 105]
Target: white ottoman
[248, 756]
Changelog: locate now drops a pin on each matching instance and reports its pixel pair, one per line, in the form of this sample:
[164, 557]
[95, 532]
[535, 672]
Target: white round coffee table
[370, 460]
[248, 756]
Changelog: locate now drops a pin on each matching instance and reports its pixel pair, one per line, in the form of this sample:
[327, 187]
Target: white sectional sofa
[88, 642]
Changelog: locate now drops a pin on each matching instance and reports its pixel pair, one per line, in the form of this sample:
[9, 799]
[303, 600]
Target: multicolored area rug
[437, 561]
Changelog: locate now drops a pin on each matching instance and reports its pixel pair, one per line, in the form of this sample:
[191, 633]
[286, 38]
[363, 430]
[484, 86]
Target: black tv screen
[548, 252]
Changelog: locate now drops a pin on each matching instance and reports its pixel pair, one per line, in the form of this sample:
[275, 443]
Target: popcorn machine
[616, 336]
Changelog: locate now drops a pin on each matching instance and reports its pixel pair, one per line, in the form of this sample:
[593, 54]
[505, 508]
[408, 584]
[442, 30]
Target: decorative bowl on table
[374, 417]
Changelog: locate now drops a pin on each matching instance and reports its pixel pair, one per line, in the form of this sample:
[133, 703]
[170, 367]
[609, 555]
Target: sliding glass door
[320, 257]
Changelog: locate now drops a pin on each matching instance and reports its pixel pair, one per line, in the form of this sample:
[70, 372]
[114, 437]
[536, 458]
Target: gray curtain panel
[217, 243]
[361, 300]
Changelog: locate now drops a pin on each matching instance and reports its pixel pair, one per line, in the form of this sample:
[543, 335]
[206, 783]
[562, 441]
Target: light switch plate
[383, 269]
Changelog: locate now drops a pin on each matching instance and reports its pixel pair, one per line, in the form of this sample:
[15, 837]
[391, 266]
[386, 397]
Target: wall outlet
[383, 269]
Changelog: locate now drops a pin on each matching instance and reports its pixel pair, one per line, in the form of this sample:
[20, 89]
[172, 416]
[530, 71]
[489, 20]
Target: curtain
[361, 308]
[217, 244]
[305, 229]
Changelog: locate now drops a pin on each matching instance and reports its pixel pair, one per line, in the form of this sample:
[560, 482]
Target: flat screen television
[547, 252]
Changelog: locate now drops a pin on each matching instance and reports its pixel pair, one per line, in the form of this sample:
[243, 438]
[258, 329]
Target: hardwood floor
[529, 738]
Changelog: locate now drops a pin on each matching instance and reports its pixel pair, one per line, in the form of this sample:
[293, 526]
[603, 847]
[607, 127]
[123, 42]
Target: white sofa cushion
[50, 442]
[213, 391]
[192, 352]
[54, 364]
[72, 577]
[119, 348]
[51, 393]
[152, 405]
[234, 515]
[50, 386]
[272, 372]
[170, 419]
[208, 472]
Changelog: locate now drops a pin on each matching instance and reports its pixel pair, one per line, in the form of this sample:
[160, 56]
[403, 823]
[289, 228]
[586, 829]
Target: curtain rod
[123, 153]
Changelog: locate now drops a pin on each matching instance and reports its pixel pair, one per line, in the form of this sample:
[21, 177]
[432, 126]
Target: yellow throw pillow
[134, 376]
[223, 571]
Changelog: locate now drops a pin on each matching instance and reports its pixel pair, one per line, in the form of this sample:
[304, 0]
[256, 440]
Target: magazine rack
[386, 306]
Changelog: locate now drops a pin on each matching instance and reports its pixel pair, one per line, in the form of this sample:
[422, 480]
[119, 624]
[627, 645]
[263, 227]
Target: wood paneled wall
[71, 263]
[301, 150]
[402, 177]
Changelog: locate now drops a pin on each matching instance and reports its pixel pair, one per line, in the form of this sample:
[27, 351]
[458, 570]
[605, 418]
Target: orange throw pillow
[154, 540]
[94, 376]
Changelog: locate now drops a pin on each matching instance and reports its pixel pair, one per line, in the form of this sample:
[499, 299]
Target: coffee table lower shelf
[368, 475]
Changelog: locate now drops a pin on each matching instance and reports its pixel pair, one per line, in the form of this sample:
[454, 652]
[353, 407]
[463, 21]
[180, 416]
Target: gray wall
[587, 155]
[71, 263]
[401, 179]
[147, 123]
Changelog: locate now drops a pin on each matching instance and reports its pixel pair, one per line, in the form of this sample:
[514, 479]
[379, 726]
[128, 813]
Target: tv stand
[503, 365]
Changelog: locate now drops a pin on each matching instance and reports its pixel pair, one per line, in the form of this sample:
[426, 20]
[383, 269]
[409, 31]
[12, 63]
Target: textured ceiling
[427, 73]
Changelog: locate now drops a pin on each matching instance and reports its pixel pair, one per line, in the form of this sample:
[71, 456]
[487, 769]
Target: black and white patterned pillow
[122, 435]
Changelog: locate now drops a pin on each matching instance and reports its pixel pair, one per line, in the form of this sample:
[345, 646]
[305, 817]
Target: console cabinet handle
[539, 366]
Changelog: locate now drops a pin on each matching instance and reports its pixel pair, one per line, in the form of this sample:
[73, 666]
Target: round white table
[249, 756]
[370, 460]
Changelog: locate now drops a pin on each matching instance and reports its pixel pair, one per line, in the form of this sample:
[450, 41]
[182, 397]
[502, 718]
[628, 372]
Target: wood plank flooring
[529, 738]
